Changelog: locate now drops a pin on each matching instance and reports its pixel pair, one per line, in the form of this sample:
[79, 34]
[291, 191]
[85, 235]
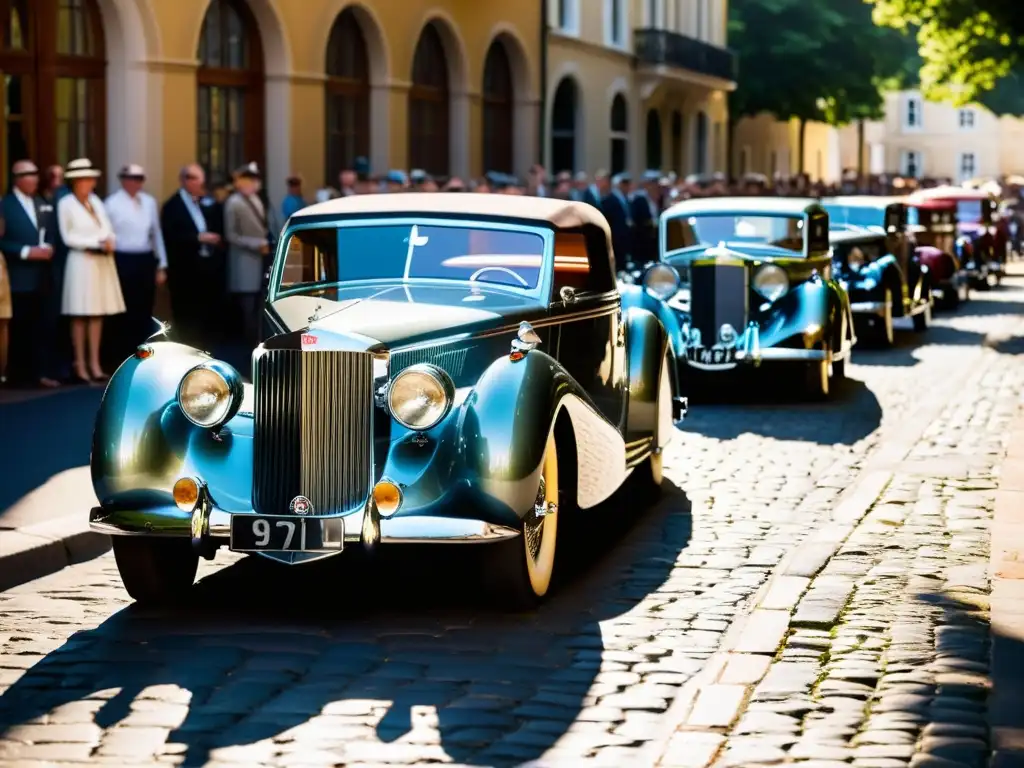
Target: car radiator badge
[300, 505]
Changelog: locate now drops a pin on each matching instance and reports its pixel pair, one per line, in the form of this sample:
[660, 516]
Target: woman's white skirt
[91, 286]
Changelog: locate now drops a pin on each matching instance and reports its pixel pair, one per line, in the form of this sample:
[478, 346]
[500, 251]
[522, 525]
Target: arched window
[429, 105]
[701, 144]
[52, 82]
[563, 126]
[348, 96]
[619, 134]
[499, 109]
[654, 139]
[230, 89]
[677, 141]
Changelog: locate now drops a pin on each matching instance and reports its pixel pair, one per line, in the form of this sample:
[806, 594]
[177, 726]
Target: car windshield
[855, 216]
[782, 231]
[403, 252]
[968, 210]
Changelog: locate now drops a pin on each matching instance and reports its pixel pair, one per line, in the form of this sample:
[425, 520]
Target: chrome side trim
[778, 353]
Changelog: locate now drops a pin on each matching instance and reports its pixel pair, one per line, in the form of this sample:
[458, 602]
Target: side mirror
[568, 295]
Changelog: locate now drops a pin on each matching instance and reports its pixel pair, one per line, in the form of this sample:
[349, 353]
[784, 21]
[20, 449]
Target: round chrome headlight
[771, 282]
[420, 396]
[210, 394]
[661, 281]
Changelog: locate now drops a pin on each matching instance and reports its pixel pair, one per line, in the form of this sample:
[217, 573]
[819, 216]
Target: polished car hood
[401, 314]
[752, 252]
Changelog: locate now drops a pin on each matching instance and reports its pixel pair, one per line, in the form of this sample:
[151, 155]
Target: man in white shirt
[141, 256]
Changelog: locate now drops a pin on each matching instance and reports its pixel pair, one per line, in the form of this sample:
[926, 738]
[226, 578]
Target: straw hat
[81, 169]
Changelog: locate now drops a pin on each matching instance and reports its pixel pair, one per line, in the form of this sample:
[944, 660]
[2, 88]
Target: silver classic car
[437, 368]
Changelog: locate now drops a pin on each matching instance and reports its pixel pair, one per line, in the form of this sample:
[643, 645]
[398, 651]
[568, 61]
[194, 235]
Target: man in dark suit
[616, 208]
[193, 255]
[645, 209]
[29, 231]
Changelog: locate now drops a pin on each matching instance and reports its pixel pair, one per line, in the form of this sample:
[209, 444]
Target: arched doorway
[563, 126]
[653, 139]
[701, 144]
[347, 108]
[499, 110]
[230, 128]
[429, 105]
[619, 134]
[677, 141]
[52, 82]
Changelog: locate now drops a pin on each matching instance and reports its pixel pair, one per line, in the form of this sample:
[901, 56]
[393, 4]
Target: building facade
[450, 86]
[936, 140]
[771, 147]
[637, 84]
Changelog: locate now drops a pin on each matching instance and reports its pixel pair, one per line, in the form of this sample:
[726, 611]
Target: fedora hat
[81, 169]
[249, 171]
[132, 171]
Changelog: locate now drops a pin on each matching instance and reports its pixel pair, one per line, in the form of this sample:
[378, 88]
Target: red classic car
[932, 227]
[985, 261]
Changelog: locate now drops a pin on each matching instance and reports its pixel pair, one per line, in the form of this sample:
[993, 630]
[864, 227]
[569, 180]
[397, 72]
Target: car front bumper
[748, 351]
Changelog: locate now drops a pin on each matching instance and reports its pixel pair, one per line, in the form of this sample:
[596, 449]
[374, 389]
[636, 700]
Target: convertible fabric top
[563, 214]
[749, 206]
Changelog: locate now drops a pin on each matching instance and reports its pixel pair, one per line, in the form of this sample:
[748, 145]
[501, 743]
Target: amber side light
[387, 496]
[186, 494]
[144, 351]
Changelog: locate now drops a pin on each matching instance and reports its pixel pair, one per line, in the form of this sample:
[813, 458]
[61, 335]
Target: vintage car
[443, 368]
[746, 280]
[933, 232]
[876, 263]
[985, 261]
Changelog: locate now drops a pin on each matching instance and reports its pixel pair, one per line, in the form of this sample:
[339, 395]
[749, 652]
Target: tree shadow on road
[369, 658]
[851, 414]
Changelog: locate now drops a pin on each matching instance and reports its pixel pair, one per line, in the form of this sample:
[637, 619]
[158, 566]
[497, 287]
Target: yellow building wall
[773, 146]
[294, 37]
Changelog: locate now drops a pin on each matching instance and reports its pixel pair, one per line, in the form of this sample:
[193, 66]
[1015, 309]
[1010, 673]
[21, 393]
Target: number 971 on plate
[286, 533]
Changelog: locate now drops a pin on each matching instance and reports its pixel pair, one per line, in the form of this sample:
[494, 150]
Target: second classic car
[932, 227]
[443, 368]
[745, 281]
[874, 259]
[985, 261]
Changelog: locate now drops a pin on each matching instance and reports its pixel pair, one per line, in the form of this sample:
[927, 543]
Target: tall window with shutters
[619, 134]
[230, 129]
[498, 109]
[429, 105]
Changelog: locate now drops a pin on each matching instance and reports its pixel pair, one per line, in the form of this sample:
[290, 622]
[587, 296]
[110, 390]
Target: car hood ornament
[526, 339]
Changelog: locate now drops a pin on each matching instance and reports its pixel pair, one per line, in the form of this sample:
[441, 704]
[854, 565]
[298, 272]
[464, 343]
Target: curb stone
[35, 551]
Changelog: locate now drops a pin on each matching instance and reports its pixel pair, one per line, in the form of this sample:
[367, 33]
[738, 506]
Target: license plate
[286, 533]
[712, 356]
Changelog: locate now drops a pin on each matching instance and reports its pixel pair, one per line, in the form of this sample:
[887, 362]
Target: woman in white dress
[91, 288]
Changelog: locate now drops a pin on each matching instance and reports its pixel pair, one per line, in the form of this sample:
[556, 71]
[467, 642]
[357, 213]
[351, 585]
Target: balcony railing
[662, 47]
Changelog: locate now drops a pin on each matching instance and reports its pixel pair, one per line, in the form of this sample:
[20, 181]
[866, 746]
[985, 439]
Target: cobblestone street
[813, 588]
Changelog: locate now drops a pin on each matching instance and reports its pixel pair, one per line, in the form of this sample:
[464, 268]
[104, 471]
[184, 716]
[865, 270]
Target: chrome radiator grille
[719, 295]
[313, 430]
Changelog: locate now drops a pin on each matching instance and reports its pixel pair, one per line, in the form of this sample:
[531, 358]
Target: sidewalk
[45, 487]
[1006, 716]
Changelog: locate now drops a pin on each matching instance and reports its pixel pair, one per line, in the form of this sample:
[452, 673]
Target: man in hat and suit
[617, 209]
[141, 257]
[247, 232]
[193, 255]
[27, 239]
[645, 210]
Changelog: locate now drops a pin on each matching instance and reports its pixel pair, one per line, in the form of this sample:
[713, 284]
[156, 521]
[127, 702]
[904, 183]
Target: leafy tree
[968, 46]
[814, 61]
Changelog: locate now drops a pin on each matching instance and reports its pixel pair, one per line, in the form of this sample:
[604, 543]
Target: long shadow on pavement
[359, 655]
[851, 414]
[43, 436]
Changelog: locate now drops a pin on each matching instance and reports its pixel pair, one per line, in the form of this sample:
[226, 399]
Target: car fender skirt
[509, 418]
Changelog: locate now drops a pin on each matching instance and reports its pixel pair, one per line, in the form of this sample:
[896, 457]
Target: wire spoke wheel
[540, 527]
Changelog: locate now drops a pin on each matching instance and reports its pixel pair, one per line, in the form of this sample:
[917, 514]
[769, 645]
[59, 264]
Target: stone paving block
[763, 632]
[691, 749]
[717, 705]
[744, 668]
[784, 593]
[821, 605]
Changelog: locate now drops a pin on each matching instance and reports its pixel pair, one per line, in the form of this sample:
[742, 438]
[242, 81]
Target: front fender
[801, 318]
[646, 345]
[508, 419]
[142, 443]
[942, 266]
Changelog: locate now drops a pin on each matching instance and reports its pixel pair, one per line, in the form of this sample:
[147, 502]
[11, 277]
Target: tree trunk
[801, 146]
[861, 173]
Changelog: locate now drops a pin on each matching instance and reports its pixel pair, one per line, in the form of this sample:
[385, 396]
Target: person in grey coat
[247, 233]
